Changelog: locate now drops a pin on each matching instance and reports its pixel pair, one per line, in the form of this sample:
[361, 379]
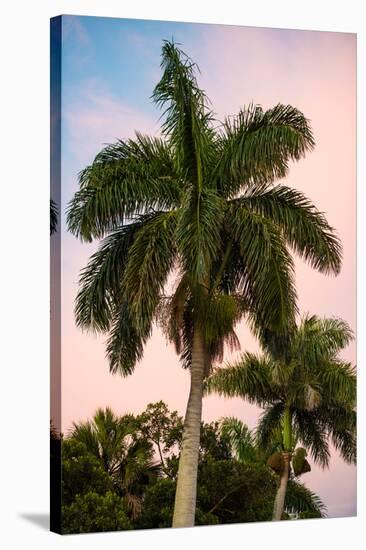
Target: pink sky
[314, 72]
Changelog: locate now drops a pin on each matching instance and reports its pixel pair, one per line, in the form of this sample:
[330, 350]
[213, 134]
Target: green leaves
[256, 146]
[241, 439]
[125, 179]
[150, 260]
[53, 216]
[126, 340]
[198, 233]
[317, 388]
[299, 499]
[304, 228]
[320, 339]
[249, 378]
[187, 119]
[268, 270]
[100, 280]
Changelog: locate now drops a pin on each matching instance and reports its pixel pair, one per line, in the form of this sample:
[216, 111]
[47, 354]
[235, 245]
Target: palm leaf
[305, 229]
[256, 146]
[300, 499]
[268, 271]
[151, 256]
[126, 179]
[248, 378]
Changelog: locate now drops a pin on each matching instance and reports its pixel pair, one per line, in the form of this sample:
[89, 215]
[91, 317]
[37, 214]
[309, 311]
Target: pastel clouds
[95, 117]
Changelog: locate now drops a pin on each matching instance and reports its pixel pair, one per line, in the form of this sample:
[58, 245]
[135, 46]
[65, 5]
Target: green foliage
[158, 505]
[126, 179]
[249, 378]
[300, 500]
[308, 380]
[123, 454]
[93, 512]
[228, 492]
[242, 440]
[151, 256]
[235, 492]
[200, 203]
[162, 428]
[255, 146]
[101, 491]
[305, 229]
[81, 472]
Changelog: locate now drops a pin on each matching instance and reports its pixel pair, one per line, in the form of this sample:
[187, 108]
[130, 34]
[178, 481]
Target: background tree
[201, 203]
[308, 392]
[126, 457]
[163, 429]
[246, 448]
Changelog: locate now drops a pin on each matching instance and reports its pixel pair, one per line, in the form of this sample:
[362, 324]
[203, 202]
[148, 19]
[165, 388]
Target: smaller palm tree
[246, 448]
[127, 459]
[307, 391]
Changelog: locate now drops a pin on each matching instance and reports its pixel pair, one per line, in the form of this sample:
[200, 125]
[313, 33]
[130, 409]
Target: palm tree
[53, 216]
[127, 459]
[246, 448]
[200, 203]
[308, 393]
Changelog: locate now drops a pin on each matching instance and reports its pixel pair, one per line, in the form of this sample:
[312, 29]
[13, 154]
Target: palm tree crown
[309, 396]
[199, 202]
[308, 381]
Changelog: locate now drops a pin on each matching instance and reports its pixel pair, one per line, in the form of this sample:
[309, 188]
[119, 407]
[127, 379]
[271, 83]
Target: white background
[24, 295]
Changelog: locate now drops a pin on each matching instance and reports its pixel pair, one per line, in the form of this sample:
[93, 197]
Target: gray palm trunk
[279, 503]
[185, 496]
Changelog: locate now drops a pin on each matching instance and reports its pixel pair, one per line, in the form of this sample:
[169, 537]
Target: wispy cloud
[96, 117]
[72, 28]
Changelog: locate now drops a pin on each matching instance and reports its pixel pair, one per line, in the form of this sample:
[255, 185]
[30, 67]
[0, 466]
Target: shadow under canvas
[40, 520]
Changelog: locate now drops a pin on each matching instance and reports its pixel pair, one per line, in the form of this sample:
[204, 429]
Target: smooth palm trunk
[279, 503]
[185, 496]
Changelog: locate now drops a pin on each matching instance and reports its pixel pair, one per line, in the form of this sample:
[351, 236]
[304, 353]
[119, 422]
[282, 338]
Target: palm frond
[126, 179]
[318, 339]
[198, 233]
[256, 146]
[305, 229]
[126, 340]
[241, 439]
[269, 426]
[300, 499]
[187, 117]
[248, 378]
[312, 432]
[150, 260]
[341, 425]
[338, 381]
[100, 281]
[268, 270]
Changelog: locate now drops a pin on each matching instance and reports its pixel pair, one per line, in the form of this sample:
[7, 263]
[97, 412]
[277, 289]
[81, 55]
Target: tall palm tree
[246, 448]
[126, 459]
[200, 203]
[308, 392]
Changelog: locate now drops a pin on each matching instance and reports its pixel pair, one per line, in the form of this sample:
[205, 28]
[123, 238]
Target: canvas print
[203, 279]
